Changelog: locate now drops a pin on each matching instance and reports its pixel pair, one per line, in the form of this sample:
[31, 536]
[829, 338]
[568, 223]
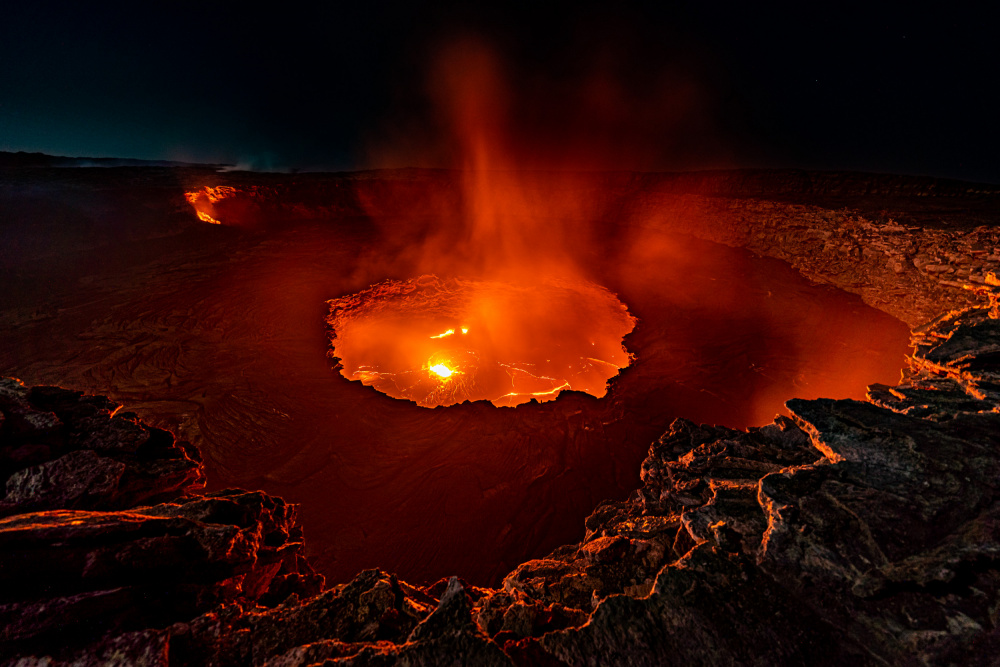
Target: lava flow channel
[203, 201]
[440, 342]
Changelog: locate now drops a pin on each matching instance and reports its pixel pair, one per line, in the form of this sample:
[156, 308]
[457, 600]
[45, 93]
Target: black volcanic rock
[74, 573]
[79, 560]
[876, 538]
[850, 534]
[711, 607]
[60, 449]
[682, 500]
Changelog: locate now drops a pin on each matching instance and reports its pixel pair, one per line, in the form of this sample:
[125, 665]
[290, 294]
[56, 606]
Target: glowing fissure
[521, 342]
[203, 201]
[205, 217]
[539, 394]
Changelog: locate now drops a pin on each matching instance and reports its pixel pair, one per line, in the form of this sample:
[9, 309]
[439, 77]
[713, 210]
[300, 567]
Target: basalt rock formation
[853, 532]
[63, 450]
[104, 534]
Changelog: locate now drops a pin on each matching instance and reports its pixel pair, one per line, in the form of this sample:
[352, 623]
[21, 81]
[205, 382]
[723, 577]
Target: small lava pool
[440, 342]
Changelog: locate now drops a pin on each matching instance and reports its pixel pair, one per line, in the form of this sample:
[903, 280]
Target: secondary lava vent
[441, 342]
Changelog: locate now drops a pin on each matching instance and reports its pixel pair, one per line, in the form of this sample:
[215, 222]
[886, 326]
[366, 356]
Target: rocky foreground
[852, 533]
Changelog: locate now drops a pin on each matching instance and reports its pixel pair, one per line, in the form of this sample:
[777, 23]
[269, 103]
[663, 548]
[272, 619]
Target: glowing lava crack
[441, 342]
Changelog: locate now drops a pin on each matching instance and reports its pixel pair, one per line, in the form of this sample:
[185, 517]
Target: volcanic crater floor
[850, 531]
[224, 344]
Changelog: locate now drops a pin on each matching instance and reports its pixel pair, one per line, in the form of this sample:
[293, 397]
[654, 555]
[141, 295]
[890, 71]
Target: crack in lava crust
[440, 341]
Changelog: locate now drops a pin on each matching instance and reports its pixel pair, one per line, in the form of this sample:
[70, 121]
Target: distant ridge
[21, 159]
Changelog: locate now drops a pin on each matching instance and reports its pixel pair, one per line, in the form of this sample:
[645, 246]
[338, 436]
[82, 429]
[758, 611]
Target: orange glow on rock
[205, 217]
[217, 194]
[203, 201]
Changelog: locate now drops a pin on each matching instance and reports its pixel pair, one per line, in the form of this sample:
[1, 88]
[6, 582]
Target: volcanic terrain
[198, 299]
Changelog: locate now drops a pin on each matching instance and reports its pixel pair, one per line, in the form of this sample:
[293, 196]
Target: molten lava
[203, 201]
[442, 370]
[205, 217]
[441, 342]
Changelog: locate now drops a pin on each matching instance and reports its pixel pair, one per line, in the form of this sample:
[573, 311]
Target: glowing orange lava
[442, 370]
[203, 201]
[205, 217]
[517, 343]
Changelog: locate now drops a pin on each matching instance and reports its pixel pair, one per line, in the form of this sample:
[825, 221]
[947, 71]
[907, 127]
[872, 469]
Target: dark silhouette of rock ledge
[862, 533]
[63, 450]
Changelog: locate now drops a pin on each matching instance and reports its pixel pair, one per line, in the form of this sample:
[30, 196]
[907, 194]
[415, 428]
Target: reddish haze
[525, 208]
[529, 337]
[532, 157]
[521, 208]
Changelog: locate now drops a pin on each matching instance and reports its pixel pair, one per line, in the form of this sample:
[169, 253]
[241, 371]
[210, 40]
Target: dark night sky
[337, 85]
